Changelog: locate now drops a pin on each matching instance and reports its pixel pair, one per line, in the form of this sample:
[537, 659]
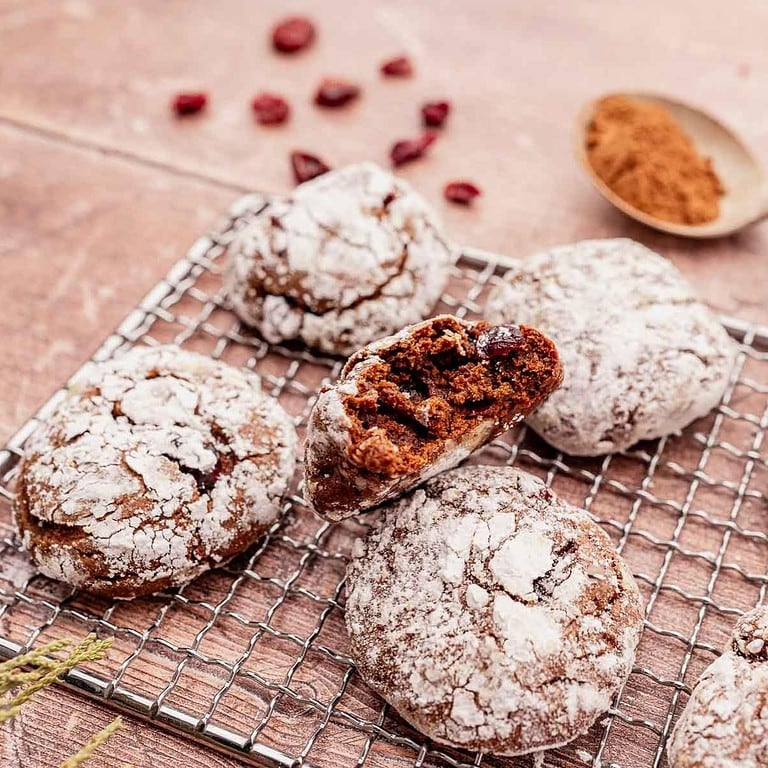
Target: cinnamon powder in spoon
[647, 159]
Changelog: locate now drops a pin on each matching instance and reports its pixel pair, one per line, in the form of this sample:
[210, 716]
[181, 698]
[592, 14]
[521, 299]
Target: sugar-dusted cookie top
[725, 722]
[643, 357]
[348, 257]
[157, 465]
[490, 614]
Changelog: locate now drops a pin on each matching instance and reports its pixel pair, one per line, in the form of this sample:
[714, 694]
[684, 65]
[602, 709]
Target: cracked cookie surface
[643, 357]
[490, 614]
[417, 403]
[725, 722]
[349, 257]
[158, 465]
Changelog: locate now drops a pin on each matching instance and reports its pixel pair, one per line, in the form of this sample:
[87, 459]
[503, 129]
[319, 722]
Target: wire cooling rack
[253, 658]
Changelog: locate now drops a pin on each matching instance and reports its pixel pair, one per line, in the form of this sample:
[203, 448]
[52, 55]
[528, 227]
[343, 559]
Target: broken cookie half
[412, 405]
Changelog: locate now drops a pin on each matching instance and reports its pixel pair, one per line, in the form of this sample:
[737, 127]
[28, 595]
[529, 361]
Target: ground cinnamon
[640, 152]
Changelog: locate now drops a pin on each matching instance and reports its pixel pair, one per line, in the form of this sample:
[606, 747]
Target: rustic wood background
[101, 190]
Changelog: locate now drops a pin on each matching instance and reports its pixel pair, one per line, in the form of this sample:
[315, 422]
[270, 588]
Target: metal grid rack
[253, 657]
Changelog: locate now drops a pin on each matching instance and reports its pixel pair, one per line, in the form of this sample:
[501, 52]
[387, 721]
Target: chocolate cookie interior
[439, 384]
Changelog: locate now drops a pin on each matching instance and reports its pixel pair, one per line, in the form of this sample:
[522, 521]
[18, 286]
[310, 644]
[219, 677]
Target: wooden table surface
[101, 190]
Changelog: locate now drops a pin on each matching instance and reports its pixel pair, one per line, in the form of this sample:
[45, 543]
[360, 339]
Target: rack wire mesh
[253, 657]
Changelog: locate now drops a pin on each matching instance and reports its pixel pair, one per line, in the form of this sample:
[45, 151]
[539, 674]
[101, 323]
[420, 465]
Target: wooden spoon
[745, 200]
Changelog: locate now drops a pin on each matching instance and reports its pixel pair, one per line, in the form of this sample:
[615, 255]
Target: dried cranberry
[336, 93]
[462, 192]
[189, 103]
[292, 34]
[411, 149]
[270, 109]
[400, 66]
[435, 113]
[306, 167]
[499, 341]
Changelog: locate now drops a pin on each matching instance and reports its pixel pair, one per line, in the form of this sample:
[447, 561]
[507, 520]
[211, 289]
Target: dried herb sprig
[92, 744]
[25, 675]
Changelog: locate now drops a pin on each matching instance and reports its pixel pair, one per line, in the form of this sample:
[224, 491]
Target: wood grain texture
[101, 190]
[56, 723]
[82, 239]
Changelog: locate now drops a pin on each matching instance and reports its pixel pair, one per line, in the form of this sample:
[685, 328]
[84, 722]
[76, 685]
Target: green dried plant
[25, 675]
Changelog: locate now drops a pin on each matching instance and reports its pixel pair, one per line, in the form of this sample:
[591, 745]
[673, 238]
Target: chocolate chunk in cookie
[417, 403]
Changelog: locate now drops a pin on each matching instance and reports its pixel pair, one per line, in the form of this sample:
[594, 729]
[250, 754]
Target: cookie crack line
[537, 679]
[153, 514]
[333, 233]
[338, 234]
[376, 293]
[378, 290]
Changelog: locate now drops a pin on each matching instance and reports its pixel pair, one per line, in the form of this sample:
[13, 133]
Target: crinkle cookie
[349, 257]
[643, 358]
[158, 465]
[490, 614]
[415, 404]
[725, 722]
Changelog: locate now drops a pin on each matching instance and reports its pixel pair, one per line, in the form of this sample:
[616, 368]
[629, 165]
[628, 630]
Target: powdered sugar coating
[158, 465]
[490, 614]
[350, 256]
[642, 357]
[725, 723]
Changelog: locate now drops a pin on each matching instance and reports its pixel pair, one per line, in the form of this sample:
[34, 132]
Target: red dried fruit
[270, 109]
[400, 66]
[499, 341]
[462, 192]
[293, 34]
[411, 149]
[189, 103]
[306, 166]
[336, 93]
[435, 113]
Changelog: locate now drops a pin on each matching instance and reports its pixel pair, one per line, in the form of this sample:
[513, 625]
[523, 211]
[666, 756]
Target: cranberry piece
[411, 149]
[434, 113]
[189, 103]
[293, 34]
[499, 341]
[270, 109]
[306, 166]
[336, 93]
[462, 192]
[400, 66]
